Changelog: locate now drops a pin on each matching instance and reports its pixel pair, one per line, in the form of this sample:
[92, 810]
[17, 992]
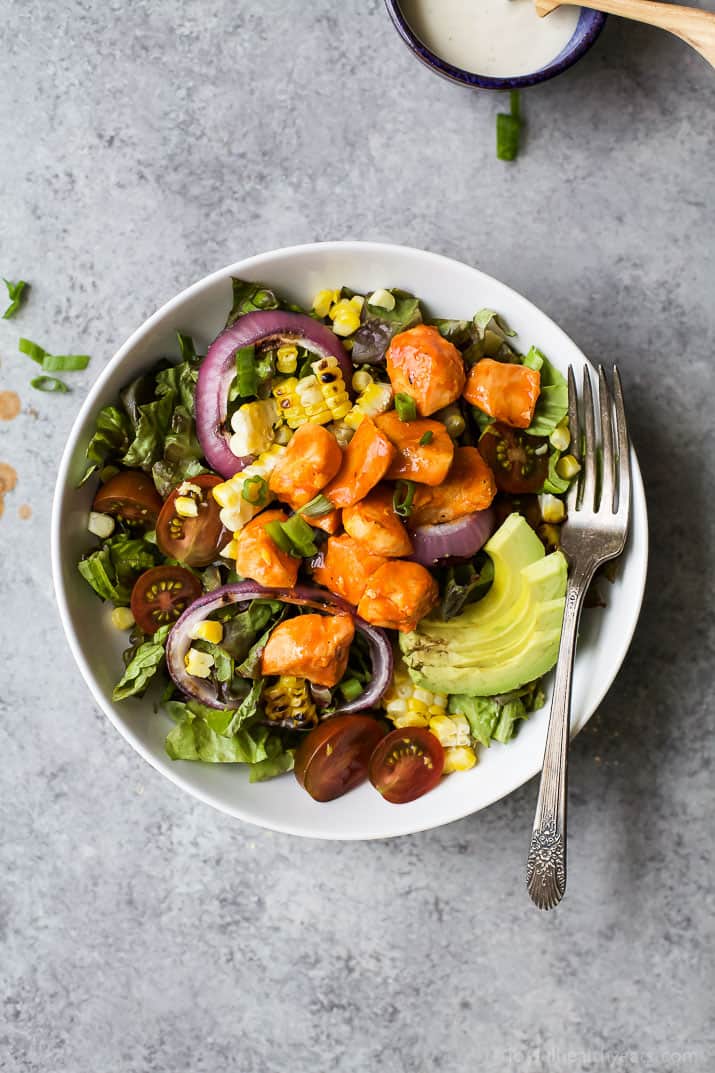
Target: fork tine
[608, 477]
[573, 415]
[624, 448]
[588, 494]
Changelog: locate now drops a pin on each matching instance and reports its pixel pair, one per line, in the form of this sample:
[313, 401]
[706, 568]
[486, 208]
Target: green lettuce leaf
[555, 484]
[113, 568]
[182, 453]
[494, 718]
[248, 297]
[553, 402]
[490, 336]
[379, 326]
[242, 630]
[196, 737]
[248, 710]
[142, 667]
[111, 439]
[152, 427]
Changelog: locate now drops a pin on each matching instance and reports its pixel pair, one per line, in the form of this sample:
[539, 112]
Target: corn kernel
[198, 664]
[423, 695]
[100, 525]
[409, 719]
[209, 630]
[458, 758]
[396, 706]
[560, 438]
[444, 729]
[345, 317]
[462, 729]
[342, 432]
[186, 507]
[122, 618]
[567, 467]
[357, 302]
[287, 359]
[552, 509]
[382, 299]
[230, 550]
[354, 417]
[323, 301]
[361, 380]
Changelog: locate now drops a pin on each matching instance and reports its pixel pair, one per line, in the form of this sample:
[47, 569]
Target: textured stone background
[142, 145]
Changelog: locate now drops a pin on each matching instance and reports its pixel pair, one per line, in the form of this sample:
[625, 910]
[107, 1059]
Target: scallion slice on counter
[405, 406]
[14, 293]
[246, 371]
[509, 129]
[49, 383]
[403, 497]
[53, 363]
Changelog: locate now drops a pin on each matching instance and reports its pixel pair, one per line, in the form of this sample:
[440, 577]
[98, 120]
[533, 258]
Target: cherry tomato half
[334, 757]
[194, 541]
[161, 594]
[131, 496]
[406, 764]
[511, 455]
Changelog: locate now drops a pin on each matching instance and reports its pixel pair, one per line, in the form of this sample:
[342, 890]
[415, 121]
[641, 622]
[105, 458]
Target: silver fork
[594, 532]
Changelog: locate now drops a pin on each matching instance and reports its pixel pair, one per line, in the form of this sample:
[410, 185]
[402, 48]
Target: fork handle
[546, 863]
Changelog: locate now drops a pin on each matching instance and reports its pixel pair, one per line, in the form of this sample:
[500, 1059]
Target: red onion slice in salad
[179, 640]
[218, 370]
[453, 540]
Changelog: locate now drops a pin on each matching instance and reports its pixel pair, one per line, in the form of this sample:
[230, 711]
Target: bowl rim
[476, 81]
[63, 489]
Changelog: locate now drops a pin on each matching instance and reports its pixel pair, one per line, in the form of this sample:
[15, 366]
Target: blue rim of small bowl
[566, 58]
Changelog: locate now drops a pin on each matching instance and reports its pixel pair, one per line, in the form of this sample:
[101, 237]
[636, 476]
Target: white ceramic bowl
[450, 289]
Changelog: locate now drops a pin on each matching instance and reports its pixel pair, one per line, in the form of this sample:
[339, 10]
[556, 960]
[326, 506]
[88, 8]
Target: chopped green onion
[402, 498]
[509, 129]
[279, 538]
[246, 371]
[53, 363]
[65, 363]
[33, 350]
[426, 438]
[317, 507]
[351, 688]
[405, 406]
[14, 293]
[49, 383]
[255, 491]
[300, 535]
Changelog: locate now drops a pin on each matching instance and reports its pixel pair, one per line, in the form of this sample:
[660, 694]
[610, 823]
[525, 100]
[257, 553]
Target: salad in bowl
[332, 539]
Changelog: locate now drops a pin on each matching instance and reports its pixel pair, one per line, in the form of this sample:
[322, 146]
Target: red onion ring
[460, 539]
[201, 689]
[218, 370]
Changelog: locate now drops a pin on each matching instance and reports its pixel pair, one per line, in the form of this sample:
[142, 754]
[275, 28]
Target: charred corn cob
[236, 510]
[254, 427]
[320, 397]
[289, 702]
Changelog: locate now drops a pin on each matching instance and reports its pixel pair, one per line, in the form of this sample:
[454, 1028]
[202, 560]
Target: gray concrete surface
[141, 146]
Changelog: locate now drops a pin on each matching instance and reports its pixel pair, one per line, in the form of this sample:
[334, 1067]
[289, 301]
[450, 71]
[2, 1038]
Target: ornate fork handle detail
[546, 862]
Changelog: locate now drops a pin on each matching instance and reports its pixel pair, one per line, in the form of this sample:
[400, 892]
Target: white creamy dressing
[501, 38]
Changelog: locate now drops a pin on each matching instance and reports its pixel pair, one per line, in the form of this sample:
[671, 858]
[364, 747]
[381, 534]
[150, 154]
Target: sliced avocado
[507, 639]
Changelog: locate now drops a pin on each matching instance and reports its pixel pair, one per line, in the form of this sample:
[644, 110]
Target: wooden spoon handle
[695, 27]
